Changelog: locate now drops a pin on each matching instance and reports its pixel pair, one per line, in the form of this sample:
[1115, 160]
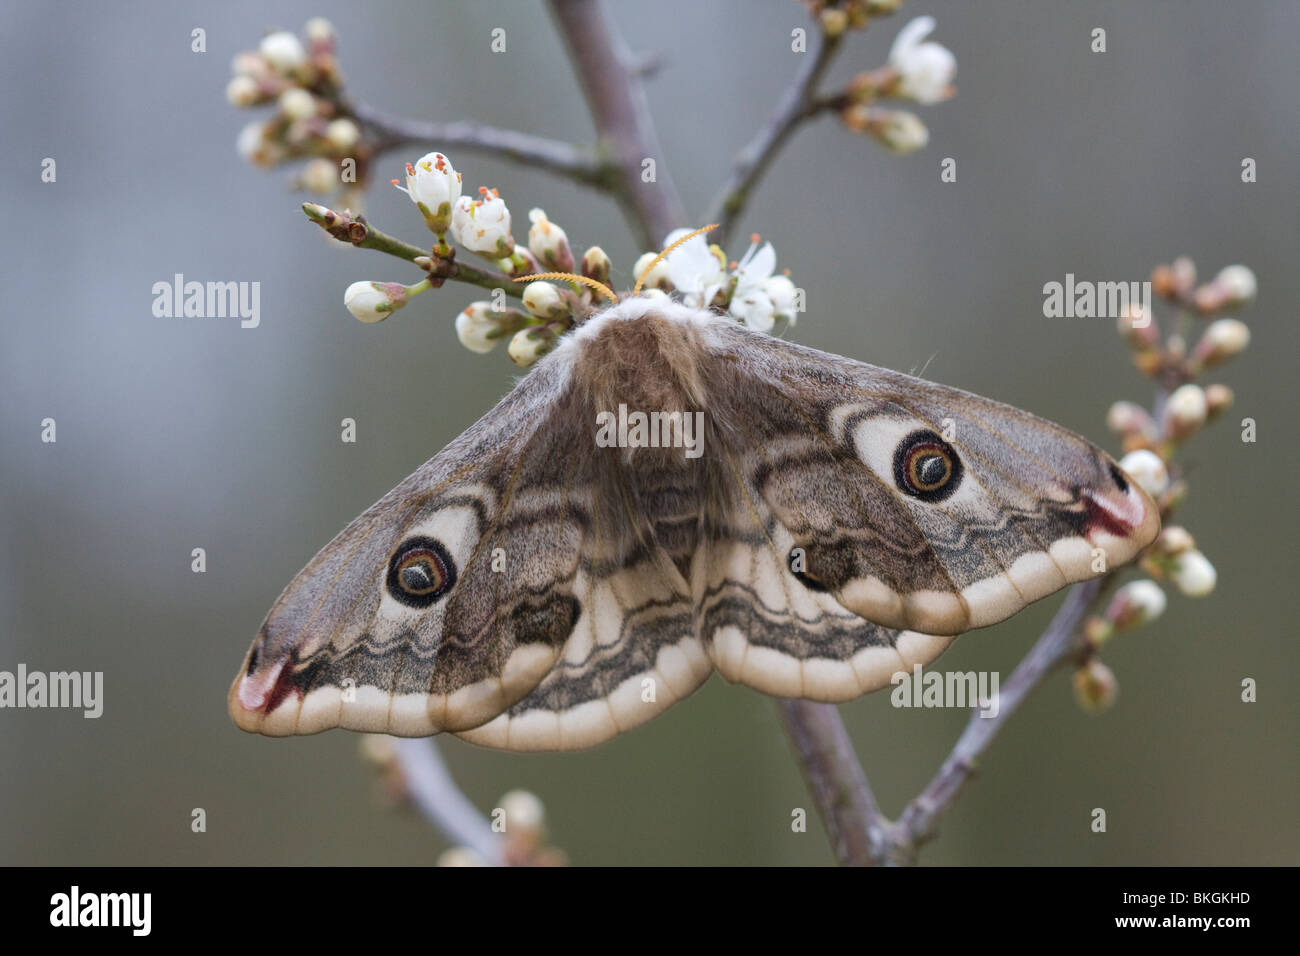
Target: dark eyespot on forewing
[926, 467]
[420, 572]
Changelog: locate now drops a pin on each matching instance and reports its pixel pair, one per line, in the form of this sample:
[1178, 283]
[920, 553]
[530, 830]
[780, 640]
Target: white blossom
[1194, 574]
[483, 225]
[320, 175]
[925, 69]
[243, 90]
[750, 302]
[782, 292]
[253, 145]
[319, 30]
[1136, 603]
[1146, 468]
[653, 278]
[342, 134]
[1237, 282]
[549, 243]
[543, 300]
[434, 186]
[1185, 411]
[530, 344]
[901, 131]
[375, 301]
[479, 327]
[283, 51]
[694, 269]
[1223, 339]
[297, 104]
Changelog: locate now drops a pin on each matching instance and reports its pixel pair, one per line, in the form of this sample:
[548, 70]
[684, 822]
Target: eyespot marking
[926, 467]
[420, 572]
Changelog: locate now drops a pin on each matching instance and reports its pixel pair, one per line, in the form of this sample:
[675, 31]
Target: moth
[537, 586]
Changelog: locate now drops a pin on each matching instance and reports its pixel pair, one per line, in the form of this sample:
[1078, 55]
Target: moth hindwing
[666, 494]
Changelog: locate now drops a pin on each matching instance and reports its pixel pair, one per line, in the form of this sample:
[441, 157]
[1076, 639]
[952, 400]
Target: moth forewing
[665, 494]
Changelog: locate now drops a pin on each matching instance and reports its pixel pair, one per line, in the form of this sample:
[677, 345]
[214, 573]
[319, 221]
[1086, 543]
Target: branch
[363, 235]
[798, 103]
[564, 159]
[920, 819]
[434, 791]
[611, 81]
[854, 826]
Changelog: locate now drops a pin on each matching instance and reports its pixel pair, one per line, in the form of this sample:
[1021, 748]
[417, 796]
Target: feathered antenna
[600, 287]
[663, 255]
[605, 290]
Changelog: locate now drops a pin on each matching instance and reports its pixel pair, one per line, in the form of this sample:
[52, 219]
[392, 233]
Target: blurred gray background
[175, 434]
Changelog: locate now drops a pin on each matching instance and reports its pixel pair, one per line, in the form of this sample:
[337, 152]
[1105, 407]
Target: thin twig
[433, 790]
[610, 78]
[363, 235]
[920, 819]
[799, 102]
[564, 159]
[836, 780]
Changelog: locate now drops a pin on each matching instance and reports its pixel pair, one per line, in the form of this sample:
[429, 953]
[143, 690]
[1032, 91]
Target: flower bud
[378, 750]
[480, 327]
[297, 104]
[1184, 275]
[1218, 399]
[1223, 339]
[1130, 418]
[342, 134]
[1137, 326]
[243, 90]
[530, 344]
[1147, 469]
[375, 301]
[254, 145]
[520, 263]
[657, 277]
[434, 186]
[1193, 573]
[1148, 362]
[596, 265]
[1162, 282]
[897, 130]
[1173, 541]
[525, 818]
[1095, 687]
[544, 301]
[319, 176]
[548, 243]
[283, 51]
[249, 63]
[319, 31]
[1237, 284]
[834, 21]
[1135, 604]
[1185, 412]
[483, 225]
